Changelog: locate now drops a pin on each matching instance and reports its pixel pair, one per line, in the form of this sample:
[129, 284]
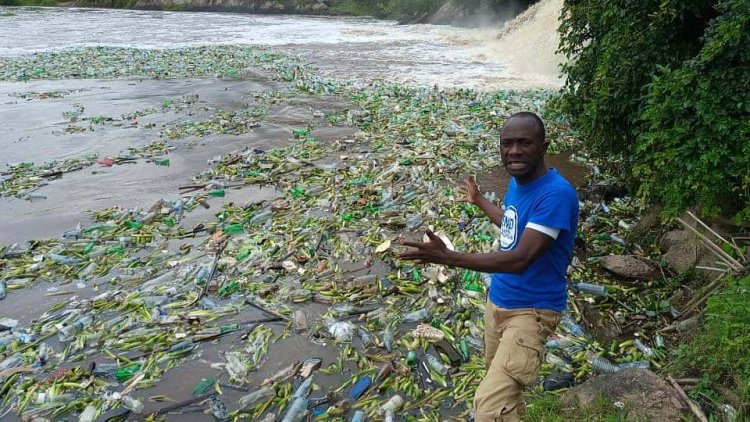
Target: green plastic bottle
[132, 224]
[162, 162]
[219, 193]
[125, 373]
[233, 229]
[228, 289]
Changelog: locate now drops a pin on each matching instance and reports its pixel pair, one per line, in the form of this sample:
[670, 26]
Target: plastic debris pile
[317, 261]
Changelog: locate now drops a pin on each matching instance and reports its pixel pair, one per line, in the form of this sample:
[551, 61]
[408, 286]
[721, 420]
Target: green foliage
[661, 89]
[719, 352]
[45, 3]
[546, 407]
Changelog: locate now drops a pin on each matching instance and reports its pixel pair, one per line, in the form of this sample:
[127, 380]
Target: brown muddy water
[37, 130]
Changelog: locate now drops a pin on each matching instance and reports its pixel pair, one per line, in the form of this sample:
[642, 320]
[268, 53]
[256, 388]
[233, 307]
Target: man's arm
[531, 245]
[473, 196]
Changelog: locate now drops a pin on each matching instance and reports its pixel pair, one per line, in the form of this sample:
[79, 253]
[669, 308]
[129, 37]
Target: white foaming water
[349, 48]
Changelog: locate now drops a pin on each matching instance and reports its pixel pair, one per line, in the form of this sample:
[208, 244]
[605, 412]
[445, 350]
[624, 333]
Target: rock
[681, 257]
[676, 237]
[648, 223]
[645, 396]
[628, 266]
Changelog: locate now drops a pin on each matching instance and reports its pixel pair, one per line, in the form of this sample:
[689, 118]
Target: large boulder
[628, 266]
[641, 394]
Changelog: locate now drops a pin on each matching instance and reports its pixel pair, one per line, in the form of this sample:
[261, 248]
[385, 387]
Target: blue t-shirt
[549, 201]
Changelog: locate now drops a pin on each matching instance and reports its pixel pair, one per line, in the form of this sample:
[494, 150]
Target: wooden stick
[717, 250]
[705, 226]
[693, 407]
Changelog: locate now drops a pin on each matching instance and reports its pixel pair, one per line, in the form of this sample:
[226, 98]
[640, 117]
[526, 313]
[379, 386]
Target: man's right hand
[469, 188]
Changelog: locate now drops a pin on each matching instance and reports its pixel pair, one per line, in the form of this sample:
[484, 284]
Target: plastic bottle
[390, 416]
[132, 404]
[591, 289]
[219, 193]
[417, 316]
[233, 229]
[601, 365]
[105, 370]
[366, 337]
[256, 397]
[388, 339]
[218, 409]
[393, 404]
[297, 411]
[359, 416]
[262, 217]
[66, 333]
[11, 362]
[436, 365]
[304, 389]
[300, 321]
[3, 289]
[643, 364]
[182, 346]
[643, 348]
[88, 414]
[127, 372]
[569, 325]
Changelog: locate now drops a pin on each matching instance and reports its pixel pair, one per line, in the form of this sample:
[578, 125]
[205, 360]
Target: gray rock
[682, 256]
[676, 237]
[646, 226]
[644, 395]
[628, 266]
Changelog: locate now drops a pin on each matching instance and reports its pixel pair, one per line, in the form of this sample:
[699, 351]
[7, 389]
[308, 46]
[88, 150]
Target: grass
[546, 407]
[718, 353]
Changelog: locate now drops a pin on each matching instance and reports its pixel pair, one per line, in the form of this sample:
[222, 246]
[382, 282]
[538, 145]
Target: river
[38, 128]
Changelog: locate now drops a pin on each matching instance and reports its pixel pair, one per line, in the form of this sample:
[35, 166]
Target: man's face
[522, 148]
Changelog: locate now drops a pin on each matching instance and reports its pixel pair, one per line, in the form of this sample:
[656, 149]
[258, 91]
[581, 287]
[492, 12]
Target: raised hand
[433, 252]
[469, 188]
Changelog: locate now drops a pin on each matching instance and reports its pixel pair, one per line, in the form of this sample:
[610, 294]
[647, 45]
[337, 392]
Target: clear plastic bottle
[297, 411]
[256, 397]
[643, 348]
[569, 325]
[88, 414]
[359, 416]
[135, 405]
[66, 333]
[436, 364]
[601, 365]
[591, 289]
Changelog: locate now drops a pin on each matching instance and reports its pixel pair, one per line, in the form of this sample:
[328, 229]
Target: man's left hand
[433, 252]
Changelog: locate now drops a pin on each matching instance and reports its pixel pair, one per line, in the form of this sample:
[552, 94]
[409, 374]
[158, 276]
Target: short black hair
[533, 116]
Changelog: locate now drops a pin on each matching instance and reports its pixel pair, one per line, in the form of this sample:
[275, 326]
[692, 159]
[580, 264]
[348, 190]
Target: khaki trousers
[514, 348]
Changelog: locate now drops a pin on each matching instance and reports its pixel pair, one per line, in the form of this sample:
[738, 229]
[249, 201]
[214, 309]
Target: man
[528, 291]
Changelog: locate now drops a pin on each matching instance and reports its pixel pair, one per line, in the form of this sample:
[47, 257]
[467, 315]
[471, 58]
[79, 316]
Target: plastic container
[261, 396]
[393, 404]
[297, 411]
[591, 289]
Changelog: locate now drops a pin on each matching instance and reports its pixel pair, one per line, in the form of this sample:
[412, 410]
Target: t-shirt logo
[509, 229]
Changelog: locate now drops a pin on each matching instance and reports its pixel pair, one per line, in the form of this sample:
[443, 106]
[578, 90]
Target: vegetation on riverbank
[45, 3]
[718, 353]
[660, 89]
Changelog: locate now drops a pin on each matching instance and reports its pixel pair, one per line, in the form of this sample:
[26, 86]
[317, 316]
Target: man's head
[523, 145]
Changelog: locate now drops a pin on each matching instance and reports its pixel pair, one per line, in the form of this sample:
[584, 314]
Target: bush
[660, 88]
